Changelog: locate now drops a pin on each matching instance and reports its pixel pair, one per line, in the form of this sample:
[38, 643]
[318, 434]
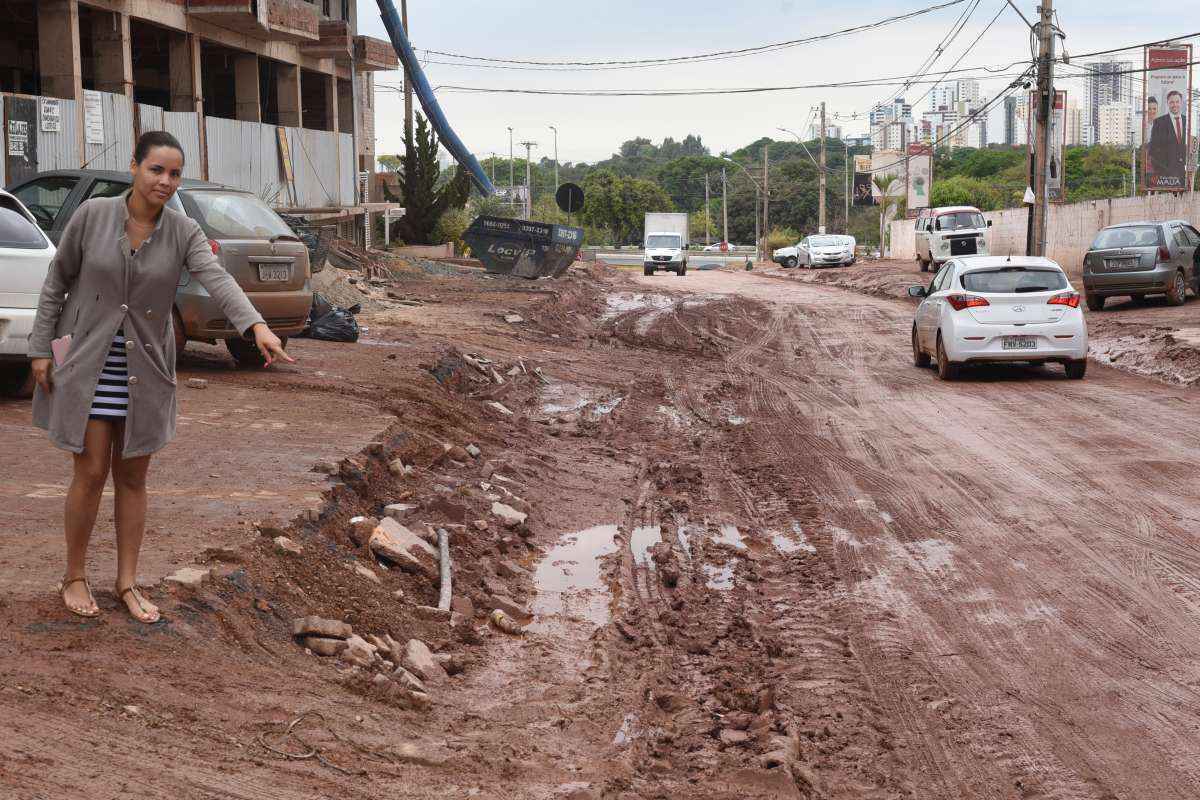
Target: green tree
[424, 200]
[889, 203]
[683, 180]
[964, 191]
[619, 203]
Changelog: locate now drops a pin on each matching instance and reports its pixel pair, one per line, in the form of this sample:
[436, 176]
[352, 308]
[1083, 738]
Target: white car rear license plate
[274, 273]
[1020, 343]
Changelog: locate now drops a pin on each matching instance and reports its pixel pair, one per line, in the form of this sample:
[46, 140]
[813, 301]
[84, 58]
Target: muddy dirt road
[765, 558]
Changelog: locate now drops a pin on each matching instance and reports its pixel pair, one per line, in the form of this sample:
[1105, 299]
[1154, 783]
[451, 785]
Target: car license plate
[1020, 343]
[1119, 264]
[274, 273]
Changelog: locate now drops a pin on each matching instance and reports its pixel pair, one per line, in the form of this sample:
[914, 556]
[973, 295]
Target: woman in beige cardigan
[110, 399]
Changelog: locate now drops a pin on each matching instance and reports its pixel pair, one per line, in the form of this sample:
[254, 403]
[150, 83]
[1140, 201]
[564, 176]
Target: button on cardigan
[92, 284]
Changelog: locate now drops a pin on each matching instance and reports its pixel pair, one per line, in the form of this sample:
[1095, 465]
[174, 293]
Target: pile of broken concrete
[403, 671]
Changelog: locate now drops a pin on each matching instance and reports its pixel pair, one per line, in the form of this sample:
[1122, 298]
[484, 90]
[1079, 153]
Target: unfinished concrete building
[267, 95]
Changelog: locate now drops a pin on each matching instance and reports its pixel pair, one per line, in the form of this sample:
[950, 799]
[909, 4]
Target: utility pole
[493, 168]
[555, 158]
[408, 92]
[766, 223]
[846, 190]
[528, 178]
[1133, 172]
[724, 209]
[1045, 109]
[821, 201]
[707, 226]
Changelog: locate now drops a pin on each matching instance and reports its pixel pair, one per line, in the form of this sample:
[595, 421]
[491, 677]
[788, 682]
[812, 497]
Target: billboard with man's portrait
[1167, 134]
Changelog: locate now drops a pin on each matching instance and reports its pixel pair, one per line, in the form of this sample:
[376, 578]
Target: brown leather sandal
[149, 618]
[86, 613]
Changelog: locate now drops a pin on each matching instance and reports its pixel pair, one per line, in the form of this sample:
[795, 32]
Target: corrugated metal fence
[150, 118]
[60, 149]
[245, 155]
[241, 154]
[185, 127]
[117, 148]
[316, 164]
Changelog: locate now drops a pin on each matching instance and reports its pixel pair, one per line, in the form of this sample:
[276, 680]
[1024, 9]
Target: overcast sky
[591, 128]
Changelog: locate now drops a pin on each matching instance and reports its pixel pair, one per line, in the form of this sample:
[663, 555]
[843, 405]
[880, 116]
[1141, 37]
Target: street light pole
[707, 226]
[821, 168]
[528, 178]
[724, 209]
[555, 158]
[846, 190]
[757, 196]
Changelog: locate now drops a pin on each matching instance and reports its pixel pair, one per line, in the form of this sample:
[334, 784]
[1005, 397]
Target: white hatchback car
[25, 255]
[999, 309]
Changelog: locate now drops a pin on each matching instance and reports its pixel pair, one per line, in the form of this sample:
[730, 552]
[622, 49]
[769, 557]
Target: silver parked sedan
[1135, 259]
[826, 250]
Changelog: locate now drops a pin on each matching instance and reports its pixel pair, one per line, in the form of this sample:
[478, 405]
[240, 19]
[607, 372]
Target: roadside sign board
[21, 138]
[1167, 89]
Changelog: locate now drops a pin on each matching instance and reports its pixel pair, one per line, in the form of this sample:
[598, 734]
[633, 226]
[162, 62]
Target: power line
[719, 54]
[1172, 40]
[938, 50]
[868, 82]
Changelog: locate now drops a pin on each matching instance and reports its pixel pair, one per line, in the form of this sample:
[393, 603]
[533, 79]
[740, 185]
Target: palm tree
[887, 205]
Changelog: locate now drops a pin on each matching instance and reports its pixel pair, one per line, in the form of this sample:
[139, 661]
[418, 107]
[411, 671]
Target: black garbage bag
[330, 323]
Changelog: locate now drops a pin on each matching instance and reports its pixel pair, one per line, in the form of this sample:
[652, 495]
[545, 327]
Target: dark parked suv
[254, 245]
[1140, 258]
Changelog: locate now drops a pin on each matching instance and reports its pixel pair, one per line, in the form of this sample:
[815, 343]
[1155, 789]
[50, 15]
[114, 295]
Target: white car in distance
[25, 255]
[981, 309]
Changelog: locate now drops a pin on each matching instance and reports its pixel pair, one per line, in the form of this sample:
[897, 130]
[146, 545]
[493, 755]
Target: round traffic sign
[569, 198]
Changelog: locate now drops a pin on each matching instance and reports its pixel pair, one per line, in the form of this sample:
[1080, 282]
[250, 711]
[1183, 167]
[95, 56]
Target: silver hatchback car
[1135, 259]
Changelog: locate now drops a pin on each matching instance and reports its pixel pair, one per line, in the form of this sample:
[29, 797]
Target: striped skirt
[111, 401]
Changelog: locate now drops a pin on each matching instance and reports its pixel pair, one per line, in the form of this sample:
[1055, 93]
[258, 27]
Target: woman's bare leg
[129, 481]
[83, 503]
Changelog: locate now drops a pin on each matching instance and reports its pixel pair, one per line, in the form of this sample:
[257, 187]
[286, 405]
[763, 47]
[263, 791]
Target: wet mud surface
[765, 557]
[1146, 337]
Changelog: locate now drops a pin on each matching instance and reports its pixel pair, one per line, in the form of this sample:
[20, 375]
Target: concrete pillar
[111, 49]
[331, 102]
[58, 49]
[345, 107]
[185, 71]
[291, 111]
[245, 76]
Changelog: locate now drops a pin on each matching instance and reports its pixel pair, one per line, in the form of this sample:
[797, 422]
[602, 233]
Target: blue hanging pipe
[414, 73]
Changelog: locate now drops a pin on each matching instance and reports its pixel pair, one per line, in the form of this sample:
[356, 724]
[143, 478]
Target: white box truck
[666, 243]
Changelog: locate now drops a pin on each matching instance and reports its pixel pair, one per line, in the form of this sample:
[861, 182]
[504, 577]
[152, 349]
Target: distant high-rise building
[942, 96]
[831, 131]
[1107, 82]
[1115, 124]
[1074, 121]
[967, 91]
[1010, 120]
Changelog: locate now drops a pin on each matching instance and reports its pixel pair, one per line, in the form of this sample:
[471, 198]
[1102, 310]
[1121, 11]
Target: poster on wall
[920, 176]
[20, 134]
[93, 117]
[50, 115]
[1058, 138]
[862, 189]
[1167, 91]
